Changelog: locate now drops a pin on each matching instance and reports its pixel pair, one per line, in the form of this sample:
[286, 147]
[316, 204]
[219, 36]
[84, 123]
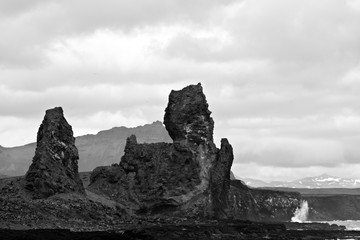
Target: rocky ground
[75, 216]
[195, 231]
[157, 191]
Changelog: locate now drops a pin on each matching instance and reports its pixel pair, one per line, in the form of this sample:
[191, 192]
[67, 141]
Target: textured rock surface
[76, 214]
[275, 205]
[220, 179]
[189, 177]
[55, 165]
[330, 207]
[161, 177]
[152, 177]
[187, 117]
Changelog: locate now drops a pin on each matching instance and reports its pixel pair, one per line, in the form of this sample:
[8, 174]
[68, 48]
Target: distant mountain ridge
[322, 181]
[104, 148]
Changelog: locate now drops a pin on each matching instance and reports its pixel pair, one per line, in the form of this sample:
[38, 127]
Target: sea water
[349, 224]
[301, 214]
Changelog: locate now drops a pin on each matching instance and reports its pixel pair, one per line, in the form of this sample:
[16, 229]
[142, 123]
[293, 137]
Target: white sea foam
[349, 224]
[301, 214]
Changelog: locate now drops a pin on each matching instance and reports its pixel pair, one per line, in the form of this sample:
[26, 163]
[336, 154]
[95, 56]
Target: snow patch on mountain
[322, 181]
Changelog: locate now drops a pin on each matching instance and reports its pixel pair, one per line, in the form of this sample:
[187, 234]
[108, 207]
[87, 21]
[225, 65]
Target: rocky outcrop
[333, 207]
[275, 205]
[189, 177]
[151, 177]
[161, 177]
[220, 179]
[187, 117]
[55, 165]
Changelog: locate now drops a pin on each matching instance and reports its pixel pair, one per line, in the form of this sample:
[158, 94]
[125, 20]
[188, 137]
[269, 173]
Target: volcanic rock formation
[187, 117]
[162, 176]
[189, 177]
[55, 165]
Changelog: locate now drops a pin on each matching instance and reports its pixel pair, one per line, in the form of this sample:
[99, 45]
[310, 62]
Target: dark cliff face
[275, 205]
[333, 207]
[55, 165]
[261, 204]
[189, 177]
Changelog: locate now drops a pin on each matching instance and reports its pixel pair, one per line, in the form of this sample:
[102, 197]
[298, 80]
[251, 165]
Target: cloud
[290, 152]
[28, 28]
[281, 77]
[311, 44]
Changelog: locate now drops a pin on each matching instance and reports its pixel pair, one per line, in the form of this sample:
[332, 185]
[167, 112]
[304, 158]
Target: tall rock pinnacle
[162, 177]
[55, 165]
[189, 177]
[220, 179]
[187, 117]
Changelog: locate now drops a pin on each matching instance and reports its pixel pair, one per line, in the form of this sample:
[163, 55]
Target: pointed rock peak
[224, 142]
[131, 140]
[220, 178]
[187, 116]
[55, 111]
[55, 165]
[131, 143]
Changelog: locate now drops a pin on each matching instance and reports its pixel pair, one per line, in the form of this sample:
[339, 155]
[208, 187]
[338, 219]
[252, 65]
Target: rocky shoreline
[211, 229]
[178, 190]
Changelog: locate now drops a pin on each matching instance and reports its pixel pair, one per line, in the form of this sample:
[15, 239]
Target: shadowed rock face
[220, 179]
[187, 117]
[189, 177]
[55, 165]
[163, 176]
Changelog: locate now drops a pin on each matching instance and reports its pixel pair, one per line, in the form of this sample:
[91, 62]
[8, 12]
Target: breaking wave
[301, 214]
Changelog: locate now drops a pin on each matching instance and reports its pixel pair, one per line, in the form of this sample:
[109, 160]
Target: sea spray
[301, 214]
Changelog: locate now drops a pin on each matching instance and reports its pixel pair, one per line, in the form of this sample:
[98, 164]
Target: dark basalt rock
[189, 177]
[162, 177]
[187, 117]
[220, 179]
[55, 165]
[190, 231]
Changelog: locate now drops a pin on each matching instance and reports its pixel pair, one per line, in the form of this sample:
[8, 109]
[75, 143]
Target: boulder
[54, 168]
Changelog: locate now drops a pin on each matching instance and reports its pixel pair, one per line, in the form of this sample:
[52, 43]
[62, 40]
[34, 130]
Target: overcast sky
[282, 77]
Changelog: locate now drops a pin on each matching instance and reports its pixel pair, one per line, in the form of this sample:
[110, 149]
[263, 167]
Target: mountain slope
[322, 181]
[16, 161]
[104, 148]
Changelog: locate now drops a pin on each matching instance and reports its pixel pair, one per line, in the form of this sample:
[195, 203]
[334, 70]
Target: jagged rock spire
[55, 165]
[187, 116]
[189, 175]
